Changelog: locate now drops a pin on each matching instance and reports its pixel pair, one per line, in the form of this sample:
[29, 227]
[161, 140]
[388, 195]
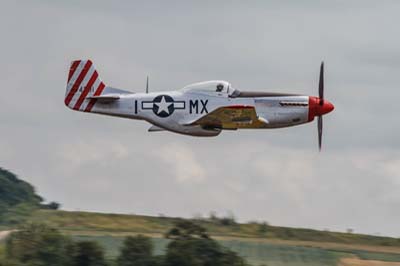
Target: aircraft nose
[316, 109]
[327, 107]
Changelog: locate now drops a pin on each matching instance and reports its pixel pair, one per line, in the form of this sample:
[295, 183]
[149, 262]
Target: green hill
[121, 224]
[260, 243]
[14, 191]
[18, 199]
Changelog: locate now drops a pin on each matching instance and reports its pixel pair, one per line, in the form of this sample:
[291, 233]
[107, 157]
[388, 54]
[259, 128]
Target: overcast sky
[99, 163]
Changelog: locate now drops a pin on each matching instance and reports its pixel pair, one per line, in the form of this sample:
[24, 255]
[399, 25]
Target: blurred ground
[4, 234]
[359, 262]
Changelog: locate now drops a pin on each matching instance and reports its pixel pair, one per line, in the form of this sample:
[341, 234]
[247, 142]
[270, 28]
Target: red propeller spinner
[315, 108]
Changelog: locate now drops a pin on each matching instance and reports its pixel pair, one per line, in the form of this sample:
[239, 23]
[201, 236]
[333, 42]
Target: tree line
[41, 245]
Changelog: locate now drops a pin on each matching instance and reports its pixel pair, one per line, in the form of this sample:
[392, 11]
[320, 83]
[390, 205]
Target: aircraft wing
[229, 117]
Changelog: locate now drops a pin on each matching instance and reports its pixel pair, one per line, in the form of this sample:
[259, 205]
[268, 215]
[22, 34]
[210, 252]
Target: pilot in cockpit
[220, 87]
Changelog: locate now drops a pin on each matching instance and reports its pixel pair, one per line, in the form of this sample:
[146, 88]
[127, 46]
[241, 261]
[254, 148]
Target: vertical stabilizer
[83, 82]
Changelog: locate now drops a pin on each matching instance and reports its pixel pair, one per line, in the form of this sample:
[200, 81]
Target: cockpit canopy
[214, 87]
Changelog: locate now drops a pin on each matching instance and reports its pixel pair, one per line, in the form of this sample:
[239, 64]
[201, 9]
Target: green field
[255, 253]
[259, 253]
[376, 256]
[121, 223]
[258, 243]
[272, 246]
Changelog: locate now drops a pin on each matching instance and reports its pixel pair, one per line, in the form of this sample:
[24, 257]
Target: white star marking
[163, 105]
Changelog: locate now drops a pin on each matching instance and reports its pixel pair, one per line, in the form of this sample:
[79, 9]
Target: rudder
[83, 81]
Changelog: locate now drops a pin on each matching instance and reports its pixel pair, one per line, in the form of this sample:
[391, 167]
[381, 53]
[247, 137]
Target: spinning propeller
[321, 103]
[319, 106]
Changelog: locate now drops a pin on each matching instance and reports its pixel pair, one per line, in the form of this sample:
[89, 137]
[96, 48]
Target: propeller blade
[147, 84]
[320, 132]
[321, 84]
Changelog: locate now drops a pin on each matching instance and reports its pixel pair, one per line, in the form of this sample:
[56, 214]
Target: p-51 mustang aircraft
[199, 109]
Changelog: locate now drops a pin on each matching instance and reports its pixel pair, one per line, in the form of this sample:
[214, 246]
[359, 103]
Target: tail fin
[83, 82]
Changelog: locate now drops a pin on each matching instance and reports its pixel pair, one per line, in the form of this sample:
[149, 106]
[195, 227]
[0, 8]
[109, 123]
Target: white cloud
[82, 152]
[109, 164]
[187, 168]
[391, 167]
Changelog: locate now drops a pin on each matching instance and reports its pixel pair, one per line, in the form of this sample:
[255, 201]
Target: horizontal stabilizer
[155, 129]
[105, 98]
[111, 90]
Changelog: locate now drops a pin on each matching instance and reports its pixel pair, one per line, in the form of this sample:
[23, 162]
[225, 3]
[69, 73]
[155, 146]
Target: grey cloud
[99, 163]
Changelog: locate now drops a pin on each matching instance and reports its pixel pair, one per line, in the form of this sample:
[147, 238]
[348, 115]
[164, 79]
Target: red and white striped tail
[83, 81]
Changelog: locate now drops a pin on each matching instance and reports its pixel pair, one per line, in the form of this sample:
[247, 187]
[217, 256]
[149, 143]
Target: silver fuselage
[190, 106]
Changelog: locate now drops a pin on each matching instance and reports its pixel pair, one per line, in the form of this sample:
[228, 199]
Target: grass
[377, 256]
[120, 223]
[259, 253]
[255, 253]
[2, 251]
[86, 221]
[112, 244]
[276, 255]
[272, 246]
